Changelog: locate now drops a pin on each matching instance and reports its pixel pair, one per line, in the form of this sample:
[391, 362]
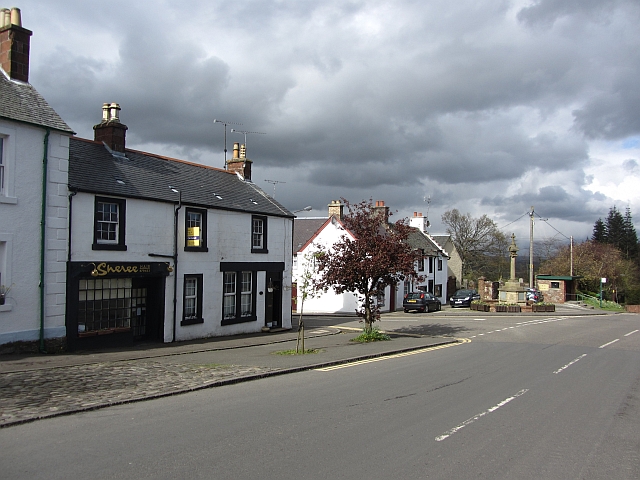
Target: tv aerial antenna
[427, 200]
[245, 133]
[274, 183]
[215, 120]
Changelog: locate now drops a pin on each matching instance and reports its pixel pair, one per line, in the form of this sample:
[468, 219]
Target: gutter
[43, 221]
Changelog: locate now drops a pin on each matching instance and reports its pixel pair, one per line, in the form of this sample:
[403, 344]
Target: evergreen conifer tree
[615, 228]
[599, 232]
[629, 247]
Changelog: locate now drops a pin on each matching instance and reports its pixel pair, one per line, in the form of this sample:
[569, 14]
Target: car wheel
[406, 310]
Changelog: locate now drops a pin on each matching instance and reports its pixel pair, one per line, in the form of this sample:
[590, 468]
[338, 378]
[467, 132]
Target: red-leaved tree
[379, 256]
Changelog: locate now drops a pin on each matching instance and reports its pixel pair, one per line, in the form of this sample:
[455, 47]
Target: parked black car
[463, 298]
[421, 301]
[534, 294]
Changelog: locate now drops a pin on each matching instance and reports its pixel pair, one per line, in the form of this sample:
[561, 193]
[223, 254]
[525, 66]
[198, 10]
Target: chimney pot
[110, 130]
[236, 150]
[16, 17]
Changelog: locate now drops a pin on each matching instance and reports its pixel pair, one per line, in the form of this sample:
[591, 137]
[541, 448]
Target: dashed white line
[607, 344]
[631, 333]
[570, 363]
[448, 433]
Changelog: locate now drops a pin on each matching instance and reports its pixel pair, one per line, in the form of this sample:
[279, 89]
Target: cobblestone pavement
[30, 395]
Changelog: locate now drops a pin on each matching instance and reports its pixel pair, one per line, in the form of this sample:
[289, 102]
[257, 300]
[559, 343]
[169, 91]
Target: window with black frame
[195, 230]
[109, 224]
[192, 300]
[239, 300]
[259, 234]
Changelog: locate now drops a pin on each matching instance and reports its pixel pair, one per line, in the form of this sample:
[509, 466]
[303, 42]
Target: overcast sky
[487, 106]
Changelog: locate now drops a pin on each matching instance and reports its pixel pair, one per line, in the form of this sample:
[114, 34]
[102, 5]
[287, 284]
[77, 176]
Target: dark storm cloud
[552, 202]
[375, 99]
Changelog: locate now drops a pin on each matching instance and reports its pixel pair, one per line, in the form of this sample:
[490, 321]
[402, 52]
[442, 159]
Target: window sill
[191, 321]
[236, 320]
[9, 200]
[262, 250]
[196, 249]
[108, 246]
[6, 307]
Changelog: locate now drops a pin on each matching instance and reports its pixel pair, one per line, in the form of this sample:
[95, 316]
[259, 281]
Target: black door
[147, 309]
[273, 304]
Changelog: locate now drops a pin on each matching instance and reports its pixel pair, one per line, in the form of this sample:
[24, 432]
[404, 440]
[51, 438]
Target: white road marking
[571, 363]
[631, 333]
[448, 433]
[607, 344]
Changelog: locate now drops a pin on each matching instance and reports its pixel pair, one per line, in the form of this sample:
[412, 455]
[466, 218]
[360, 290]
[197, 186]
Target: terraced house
[164, 249]
[34, 161]
[103, 245]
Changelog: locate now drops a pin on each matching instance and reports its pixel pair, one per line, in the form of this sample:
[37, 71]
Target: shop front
[115, 303]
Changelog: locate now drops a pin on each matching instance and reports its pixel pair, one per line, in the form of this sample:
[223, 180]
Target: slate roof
[419, 240]
[93, 168]
[21, 102]
[304, 229]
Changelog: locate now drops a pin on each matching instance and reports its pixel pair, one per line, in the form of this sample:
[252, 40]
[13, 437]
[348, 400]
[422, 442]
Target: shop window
[109, 224]
[430, 286]
[438, 290]
[195, 230]
[104, 304]
[239, 301]
[192, 300]
[259, 234]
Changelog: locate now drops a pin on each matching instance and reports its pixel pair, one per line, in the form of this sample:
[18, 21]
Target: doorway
[147, 309]
[273, 300]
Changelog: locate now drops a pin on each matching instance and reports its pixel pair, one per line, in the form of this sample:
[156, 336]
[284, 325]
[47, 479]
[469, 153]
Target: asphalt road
[528, 398]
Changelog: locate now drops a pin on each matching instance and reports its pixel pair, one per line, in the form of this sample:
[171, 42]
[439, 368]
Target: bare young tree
[474, 239]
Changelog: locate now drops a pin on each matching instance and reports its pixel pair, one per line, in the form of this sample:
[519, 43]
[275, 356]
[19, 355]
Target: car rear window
[461, 293]
[413, 296]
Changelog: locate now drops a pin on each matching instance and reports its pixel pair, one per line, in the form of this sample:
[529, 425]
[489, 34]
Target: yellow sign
[544, 287]
[193, 237]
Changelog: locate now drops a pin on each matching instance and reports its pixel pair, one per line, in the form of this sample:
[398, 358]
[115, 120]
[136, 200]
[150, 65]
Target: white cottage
[166, 250]
[34, 161]
[310, 234]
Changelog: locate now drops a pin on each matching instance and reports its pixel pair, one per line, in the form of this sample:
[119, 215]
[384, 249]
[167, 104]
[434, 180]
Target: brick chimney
[110, 130]
[14, 45]
[380, 209]
[240, 163]
[336, 209]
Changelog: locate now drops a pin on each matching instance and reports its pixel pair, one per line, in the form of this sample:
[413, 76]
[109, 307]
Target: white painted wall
[329, 302]
[20, 232]
[149, 229]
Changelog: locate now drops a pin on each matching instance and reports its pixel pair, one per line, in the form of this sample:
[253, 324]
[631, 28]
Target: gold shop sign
[103, 269]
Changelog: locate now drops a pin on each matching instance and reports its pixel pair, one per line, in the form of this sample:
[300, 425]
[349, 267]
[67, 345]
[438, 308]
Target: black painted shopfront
[114, 303]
